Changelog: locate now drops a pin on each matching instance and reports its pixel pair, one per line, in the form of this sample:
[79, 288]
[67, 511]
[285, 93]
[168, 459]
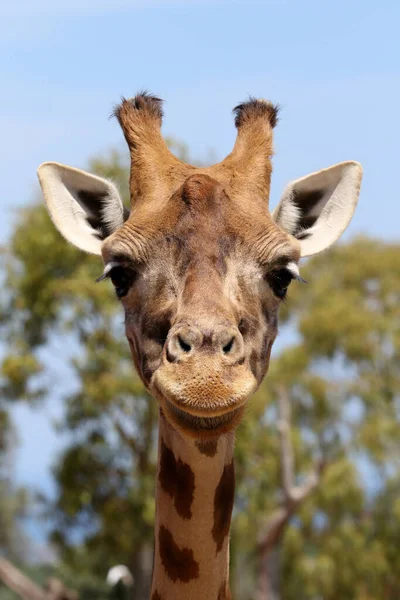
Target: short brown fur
[201, 268]
[224, 593]
[177, 480]
[178, 562]
[201, 319]
[208, 447]
[223, 505]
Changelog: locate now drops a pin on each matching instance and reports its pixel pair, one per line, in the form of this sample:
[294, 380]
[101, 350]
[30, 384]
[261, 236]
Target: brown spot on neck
[178, 562]
[177, 480]
[207, 447]
[156, 596]
[223, 505]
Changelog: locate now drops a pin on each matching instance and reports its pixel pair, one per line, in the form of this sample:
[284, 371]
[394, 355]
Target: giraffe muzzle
[186, 342]
[203, 390]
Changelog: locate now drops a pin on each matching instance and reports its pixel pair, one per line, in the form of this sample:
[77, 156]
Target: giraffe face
[199, 263]
[201, 282]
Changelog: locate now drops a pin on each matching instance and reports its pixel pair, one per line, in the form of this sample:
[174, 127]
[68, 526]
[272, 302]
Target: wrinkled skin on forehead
[201, 263]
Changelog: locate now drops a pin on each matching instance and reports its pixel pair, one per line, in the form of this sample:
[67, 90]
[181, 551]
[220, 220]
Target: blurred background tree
[103, 512]
[13, 500]
[343, 378]
[339, 369]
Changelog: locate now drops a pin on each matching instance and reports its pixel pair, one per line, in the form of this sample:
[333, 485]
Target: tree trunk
[141, 570]
[270, 541]
[268, 575]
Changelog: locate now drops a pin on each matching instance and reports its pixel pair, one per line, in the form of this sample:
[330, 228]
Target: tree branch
[286, 449]
[293, 495]
[19, 583]
[25, 588]
[273, 530]
[127, 439]
[300, 492]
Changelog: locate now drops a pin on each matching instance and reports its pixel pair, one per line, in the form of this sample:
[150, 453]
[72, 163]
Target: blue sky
[333, 66]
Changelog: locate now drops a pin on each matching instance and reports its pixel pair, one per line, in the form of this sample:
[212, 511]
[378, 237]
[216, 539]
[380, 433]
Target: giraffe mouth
[202, 424]
[203, 400]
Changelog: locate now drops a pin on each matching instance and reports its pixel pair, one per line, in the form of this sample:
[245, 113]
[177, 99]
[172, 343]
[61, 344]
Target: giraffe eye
[122, 279]
[279, 280]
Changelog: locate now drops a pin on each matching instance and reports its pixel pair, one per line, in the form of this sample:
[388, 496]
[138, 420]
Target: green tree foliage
[343, 378]
[104, 509]
[13, 499]
[90, 587]
[341, 373]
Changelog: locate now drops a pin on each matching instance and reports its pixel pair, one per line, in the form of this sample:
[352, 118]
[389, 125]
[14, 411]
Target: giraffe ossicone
[200, 266]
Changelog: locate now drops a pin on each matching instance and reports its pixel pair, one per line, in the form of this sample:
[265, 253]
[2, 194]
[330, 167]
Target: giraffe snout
[190, 341]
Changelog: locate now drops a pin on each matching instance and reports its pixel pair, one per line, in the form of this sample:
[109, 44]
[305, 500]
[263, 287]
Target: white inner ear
[316, 209]
[84, 208]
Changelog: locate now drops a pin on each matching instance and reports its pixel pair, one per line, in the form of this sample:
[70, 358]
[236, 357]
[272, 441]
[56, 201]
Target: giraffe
[201, 266]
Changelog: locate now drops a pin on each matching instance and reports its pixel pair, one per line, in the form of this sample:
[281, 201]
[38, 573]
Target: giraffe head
[199, 263]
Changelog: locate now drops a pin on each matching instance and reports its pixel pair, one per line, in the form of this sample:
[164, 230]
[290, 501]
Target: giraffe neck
[194, 500]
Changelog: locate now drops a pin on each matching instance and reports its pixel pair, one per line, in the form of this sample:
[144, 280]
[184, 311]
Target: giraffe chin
[196, 409]
[202, 427]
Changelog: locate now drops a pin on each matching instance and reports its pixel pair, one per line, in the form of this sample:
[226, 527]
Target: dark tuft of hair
[255, 108]
[142, 102]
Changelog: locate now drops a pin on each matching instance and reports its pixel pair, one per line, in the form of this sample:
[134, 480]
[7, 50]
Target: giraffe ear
[316, 209]
[84, 208]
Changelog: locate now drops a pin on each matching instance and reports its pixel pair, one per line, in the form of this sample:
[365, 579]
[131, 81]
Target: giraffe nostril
[184, 345]
[228, 347]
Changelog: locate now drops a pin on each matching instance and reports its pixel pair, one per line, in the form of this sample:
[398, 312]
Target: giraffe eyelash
[293, 269]
[107, 270]
[280, 277]
[121, 277]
